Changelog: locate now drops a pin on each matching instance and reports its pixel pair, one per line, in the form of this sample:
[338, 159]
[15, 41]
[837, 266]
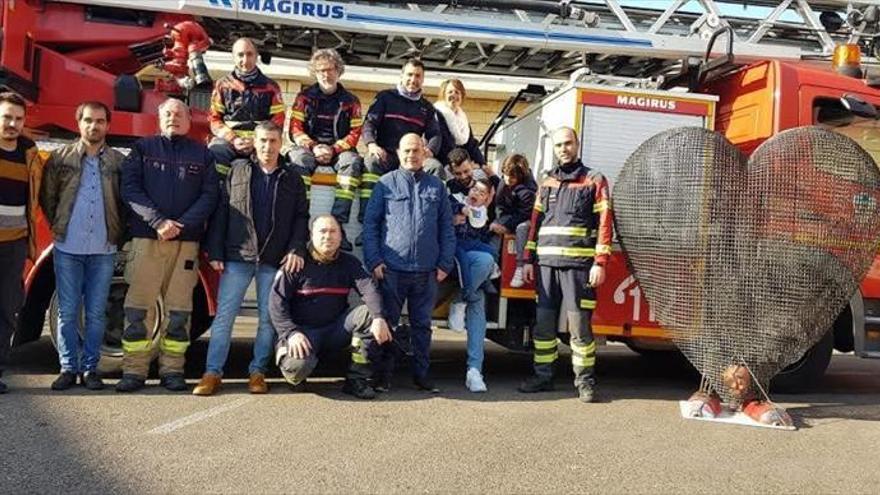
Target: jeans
[234, 282]
[470, 283]
[418, 290]
[82, 282]
[479, 264]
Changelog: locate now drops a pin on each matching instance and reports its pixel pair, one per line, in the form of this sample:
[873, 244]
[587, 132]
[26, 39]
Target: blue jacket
[169, 179]
[408, 224]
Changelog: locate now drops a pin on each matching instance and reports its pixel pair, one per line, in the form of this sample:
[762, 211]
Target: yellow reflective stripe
[222, 169]
[546, 358]
[531, 245]
[571, 231]
[298, 115]
[546, 344]
[345, 180]
[365, 193]
[588, 304]
[584, 349]
[603, 249]
[539, 207]
[357, 122]
[584, 362]
[307, 179]
[343, 145]
[276, 108]
[343, 194]
[359, 359]
[130, 346]
[566, 251]
[173, 346]
[355, 341]
[600, 206]
[218, 107]
[368, 177]
[241, 133]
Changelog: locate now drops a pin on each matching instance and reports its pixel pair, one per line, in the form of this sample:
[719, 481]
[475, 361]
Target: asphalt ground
[321, 441]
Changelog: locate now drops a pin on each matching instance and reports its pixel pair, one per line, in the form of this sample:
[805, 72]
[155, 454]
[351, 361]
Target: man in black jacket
[310, 312]
[170, 185]
[261, 224]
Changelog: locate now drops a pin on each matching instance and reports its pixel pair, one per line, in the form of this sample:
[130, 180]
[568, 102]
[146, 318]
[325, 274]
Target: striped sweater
[19, 170]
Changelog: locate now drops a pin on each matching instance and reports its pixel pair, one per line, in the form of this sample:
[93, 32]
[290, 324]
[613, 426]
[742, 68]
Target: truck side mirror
[859, 107]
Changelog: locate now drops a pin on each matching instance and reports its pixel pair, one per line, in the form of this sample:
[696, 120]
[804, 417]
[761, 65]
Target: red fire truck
[650, 69]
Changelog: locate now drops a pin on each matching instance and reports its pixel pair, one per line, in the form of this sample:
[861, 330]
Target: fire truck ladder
[534, 38]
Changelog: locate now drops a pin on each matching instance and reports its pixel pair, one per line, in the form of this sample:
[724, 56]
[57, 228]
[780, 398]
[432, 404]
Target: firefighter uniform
[571, 229]
[238, 104]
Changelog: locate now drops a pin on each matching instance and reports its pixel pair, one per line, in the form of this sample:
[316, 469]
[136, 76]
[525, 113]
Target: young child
[514, 204]
[473, 234]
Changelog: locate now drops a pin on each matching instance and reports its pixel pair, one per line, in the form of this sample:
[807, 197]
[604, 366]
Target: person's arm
[298, 131]
[216, 114]
[372, 227]
[216, 238]
[299, 234]
[366, 287]
[525, 198]
[473, 148]
[374, 120]
[446, 234]
[276, 110]
[602, 209]
[133, 192]
[203, 207]
[49, 188]
[283, 294]
[537, 217]
[356, 125]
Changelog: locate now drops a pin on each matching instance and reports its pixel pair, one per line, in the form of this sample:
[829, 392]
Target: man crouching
[310, 311]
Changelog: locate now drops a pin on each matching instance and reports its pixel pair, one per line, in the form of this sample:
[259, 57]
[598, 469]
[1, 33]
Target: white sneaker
[517, 280]
[496, 272]
[474, 381]
[455, 320]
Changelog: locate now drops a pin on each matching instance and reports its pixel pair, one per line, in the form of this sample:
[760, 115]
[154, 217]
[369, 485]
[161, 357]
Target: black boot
[174, 382]
[536, 383]
[92, 381]
[359, 388]
[130, 383]
[64, 381]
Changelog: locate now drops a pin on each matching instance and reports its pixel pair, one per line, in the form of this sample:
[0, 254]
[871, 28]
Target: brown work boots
[210, 384]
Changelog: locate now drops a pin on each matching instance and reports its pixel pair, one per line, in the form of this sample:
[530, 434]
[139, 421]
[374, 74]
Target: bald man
[240, 101]
[571, 234]
[409, 244]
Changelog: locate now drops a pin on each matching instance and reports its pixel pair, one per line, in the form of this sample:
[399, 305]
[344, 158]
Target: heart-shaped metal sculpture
[747, 262]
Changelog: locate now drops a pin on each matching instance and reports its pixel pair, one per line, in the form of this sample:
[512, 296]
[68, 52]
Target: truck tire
[808, 370]
[111, 348]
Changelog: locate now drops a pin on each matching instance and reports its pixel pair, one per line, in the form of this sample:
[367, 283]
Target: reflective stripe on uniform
[298, 115]
[358, 358]
[243, 133]
[276, 108]
[218, 107]
[583, 355]
[566, 251]
[345, 180]
[546, 344]
[365, 193]
[546, 358]
[583, 362]
[130, 346]
[343, 194]
[600, 206]
[173, 346]
[307, 180]
[357, 122]
[588, 304]
[369, 178]
[531, 245]
[570, 231]
[603, 249]
[222, 169]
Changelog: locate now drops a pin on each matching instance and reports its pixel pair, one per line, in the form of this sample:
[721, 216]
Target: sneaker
[174, 382]
[64, 381]
[534, 384]
[130, 383]
[359, 388]
[426, 384]
[474, 381]
[517, 280]
[586, 393]
[496, 271]
[208, 385]
[3, 388]
[92, 381]
[455, 320]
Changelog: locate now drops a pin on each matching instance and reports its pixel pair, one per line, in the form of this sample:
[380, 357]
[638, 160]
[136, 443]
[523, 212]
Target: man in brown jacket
[81, 199]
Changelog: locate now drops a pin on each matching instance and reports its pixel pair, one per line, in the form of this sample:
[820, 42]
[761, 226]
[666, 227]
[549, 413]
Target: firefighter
[325, 126]
[240, 101]
[571, 233]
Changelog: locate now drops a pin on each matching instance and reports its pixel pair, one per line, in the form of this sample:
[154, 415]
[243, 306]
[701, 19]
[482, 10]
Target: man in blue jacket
[409, 244]
[171, 187]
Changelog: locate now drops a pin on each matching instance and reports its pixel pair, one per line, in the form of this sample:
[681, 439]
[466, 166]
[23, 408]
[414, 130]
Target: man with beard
[81, 199]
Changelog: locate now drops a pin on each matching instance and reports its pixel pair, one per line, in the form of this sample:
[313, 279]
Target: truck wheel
[111, 348]
[808, 370]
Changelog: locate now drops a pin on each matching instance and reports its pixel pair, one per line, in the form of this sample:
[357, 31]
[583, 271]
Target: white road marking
[199, 416]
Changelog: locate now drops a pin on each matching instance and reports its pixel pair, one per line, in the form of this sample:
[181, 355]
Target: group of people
[246, 205]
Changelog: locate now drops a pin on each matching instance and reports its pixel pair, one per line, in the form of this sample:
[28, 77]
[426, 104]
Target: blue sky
[693, 6]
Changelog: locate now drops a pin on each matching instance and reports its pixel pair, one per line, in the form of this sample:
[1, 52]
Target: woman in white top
[454, 124]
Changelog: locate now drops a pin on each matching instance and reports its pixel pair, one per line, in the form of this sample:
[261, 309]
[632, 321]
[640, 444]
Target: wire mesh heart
[748, 261]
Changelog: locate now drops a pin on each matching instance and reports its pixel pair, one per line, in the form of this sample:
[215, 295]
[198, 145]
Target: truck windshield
[866, 132]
